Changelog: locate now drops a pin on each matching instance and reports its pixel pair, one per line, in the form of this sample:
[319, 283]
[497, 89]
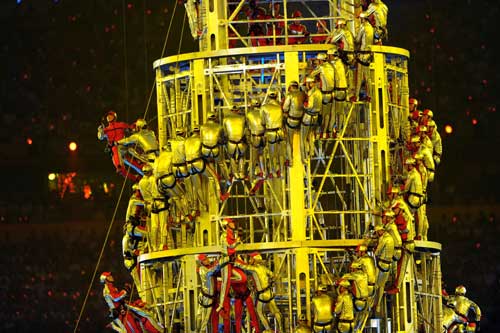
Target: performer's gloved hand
[127, 287]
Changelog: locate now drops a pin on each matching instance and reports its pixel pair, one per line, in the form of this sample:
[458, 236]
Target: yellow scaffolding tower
[308, 221]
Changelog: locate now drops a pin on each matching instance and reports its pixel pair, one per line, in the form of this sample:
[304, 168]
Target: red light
[474, 121]
[73, 146]
[87, 191]
[448, 129]
[29, 141]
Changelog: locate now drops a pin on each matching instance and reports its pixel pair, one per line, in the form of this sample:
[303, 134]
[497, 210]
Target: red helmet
[256, 255]
[202, 256]
[112, 114]
[104, 276]
[413, 101]
[321, 24]
[297, 13]
[428, 112]
[228, 220]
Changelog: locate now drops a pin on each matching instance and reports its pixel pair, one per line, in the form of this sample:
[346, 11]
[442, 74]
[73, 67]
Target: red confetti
[149, 11]
[478, 245]
[129, 6]
[474, 121]
[469, 98]
[432, 30]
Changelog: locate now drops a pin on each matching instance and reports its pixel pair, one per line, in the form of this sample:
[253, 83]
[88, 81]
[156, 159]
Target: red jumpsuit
[114, 132]
[275, 37]
[229, 241]
[297, 34]
[257, 28]
[116, 303]
[243, 295]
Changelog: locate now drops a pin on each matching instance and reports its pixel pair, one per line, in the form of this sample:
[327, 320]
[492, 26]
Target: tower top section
[219, 25]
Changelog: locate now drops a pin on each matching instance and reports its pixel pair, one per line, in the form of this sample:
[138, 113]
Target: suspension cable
[101, 253]
[125, 57]
[128, 169]
[161, 56]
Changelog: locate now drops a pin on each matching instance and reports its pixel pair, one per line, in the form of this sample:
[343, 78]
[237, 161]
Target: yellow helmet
[211, 115]
[361, 248]
[410, 161]
[255, 102]
[322, 287]
[321, 56]
[140, 123]
[310, 79]
[460, 290]
[180, 130]
[344, 283]
[147, 168]
[272, 93]
[356, 265]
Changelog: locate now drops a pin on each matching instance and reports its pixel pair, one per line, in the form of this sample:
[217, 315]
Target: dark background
[66, 63]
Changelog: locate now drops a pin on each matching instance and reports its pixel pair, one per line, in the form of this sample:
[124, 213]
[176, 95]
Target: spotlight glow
[448, 129]
[73, 146]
